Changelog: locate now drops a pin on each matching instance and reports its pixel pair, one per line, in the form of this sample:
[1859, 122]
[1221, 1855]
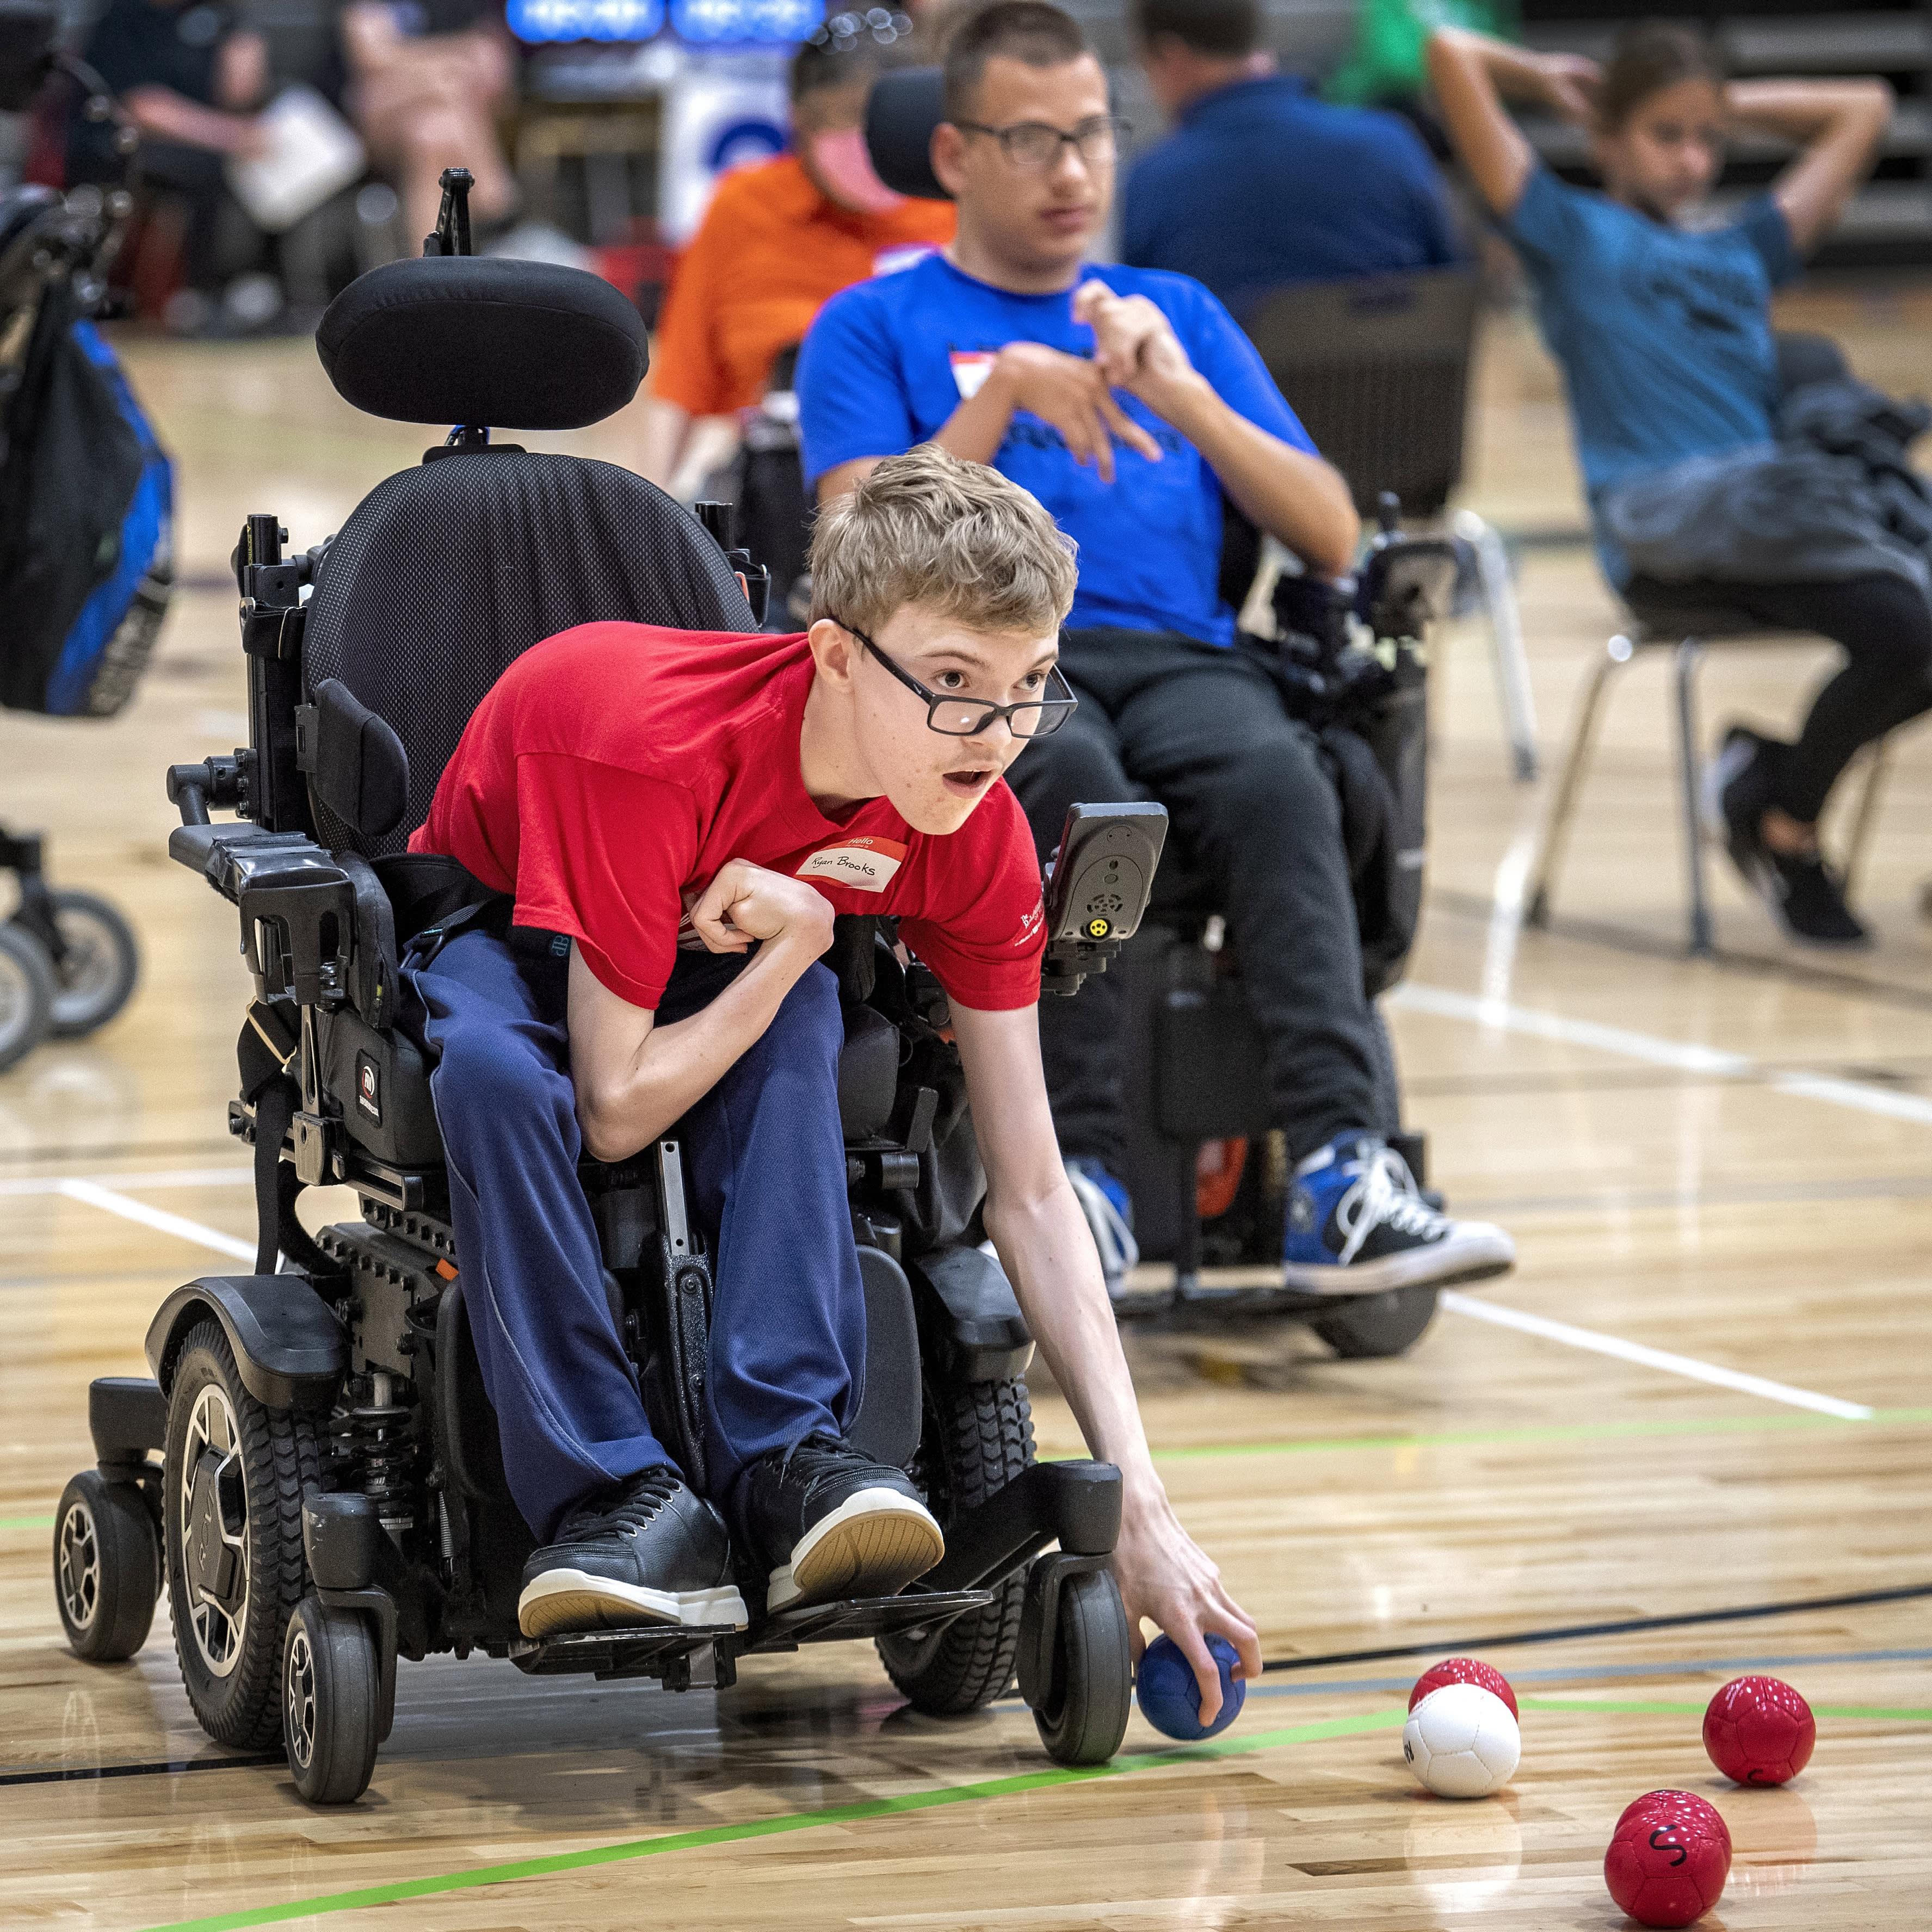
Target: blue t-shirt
[1664, 334]
[887, 361]
[1328, 193]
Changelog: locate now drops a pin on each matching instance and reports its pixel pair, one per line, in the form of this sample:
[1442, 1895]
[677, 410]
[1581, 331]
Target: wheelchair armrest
[298, 905]
[1405, 584]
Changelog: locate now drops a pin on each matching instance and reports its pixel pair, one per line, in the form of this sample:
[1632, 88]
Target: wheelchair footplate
[861, 1617]
[680, 1654]
[1205, 1309]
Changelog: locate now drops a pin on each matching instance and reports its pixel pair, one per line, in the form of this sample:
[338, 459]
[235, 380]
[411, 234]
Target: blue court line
[1595, 1673]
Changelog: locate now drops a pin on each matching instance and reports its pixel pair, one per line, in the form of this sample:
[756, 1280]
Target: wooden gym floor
[1705, 1389]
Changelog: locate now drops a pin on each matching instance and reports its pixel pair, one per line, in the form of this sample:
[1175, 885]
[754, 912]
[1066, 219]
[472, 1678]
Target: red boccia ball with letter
[1759, 1731]
[1465, 1670]
[1669, 1858]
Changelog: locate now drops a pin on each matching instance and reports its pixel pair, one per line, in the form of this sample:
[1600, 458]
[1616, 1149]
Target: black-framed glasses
[968, 717]
[1034, 146]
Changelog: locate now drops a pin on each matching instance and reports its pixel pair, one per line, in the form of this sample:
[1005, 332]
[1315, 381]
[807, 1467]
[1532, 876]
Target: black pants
[1203, 732]
[1885, 626]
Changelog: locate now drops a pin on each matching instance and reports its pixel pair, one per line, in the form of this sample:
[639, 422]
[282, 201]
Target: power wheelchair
[330, 1493]
[85, 563]
[1351, 659]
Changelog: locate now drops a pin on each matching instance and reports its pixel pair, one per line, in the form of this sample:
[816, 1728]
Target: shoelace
[653, 1489]
[1383, 1195]
[1119, 1250]
[815, 1456]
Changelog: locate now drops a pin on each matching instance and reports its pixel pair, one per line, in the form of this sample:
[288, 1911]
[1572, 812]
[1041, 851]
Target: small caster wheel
[107, 1566]
[1376, 1326]
[28, 987]
[95, 974]
[1083, 1716]
[331, 1681]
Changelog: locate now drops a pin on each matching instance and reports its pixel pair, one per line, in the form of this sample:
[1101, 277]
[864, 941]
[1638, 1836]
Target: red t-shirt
[615, 768]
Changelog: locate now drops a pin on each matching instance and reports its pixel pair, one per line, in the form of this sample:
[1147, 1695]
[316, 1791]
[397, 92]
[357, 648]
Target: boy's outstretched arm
[1042, 1235]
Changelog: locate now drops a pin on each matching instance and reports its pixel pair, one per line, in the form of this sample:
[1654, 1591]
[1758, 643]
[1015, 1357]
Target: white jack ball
[1462, 1742]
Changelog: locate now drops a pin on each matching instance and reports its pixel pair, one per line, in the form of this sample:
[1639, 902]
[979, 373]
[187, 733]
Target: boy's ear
[833, 649]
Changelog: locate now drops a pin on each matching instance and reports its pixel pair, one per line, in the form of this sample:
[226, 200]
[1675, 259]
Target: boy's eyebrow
[959, 654]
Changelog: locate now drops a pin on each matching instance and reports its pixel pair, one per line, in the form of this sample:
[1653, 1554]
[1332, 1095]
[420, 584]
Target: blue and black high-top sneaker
[1357, 1224]
[1110, 1218]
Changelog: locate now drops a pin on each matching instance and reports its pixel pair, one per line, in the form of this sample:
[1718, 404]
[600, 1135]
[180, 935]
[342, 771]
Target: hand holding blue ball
[1170, 1698]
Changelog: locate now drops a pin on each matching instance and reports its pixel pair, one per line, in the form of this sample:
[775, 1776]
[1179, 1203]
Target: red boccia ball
[1465, 1670]
[1759, 1731]
[1669, 1858]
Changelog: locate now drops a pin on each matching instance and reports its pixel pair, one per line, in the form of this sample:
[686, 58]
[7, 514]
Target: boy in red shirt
[678, 818]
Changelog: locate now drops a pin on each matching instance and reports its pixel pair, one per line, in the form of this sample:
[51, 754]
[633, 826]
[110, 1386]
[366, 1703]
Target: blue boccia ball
[1171, 1700]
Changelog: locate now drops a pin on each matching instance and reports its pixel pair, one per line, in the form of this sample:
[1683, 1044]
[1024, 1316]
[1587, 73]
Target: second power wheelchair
[330, 1493]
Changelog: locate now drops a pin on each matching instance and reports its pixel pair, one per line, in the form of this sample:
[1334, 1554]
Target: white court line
[1651, 1358]
[1684, 1056]
[162, 1222]
[162, 1178]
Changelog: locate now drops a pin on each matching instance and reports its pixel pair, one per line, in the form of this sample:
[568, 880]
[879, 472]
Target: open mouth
[971, 784]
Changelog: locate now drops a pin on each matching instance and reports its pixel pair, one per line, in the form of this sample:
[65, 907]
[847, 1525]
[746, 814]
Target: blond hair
[929, 528]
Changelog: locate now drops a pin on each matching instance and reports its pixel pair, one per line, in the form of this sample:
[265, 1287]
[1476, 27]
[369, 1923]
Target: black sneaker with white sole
[831, 1523]
[1799, 890]
[1357, 1224]
[661, 1555]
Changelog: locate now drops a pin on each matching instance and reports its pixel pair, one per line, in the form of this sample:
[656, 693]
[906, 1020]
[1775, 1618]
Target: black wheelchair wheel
[1085, 1714]
[231, 1535]
[977, 1438]
[1377, 1325]
[331, 1681]
[94, 977]
[27, 990]
[107, 1568]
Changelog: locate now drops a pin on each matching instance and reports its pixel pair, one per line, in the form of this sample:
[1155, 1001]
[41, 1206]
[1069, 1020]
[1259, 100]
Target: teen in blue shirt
[1260, 184]
[1664, 335]
[1130, 403]
[889, 361]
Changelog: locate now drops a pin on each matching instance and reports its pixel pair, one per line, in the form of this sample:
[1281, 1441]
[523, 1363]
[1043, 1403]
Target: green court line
[1318, 1445]
[793, 1821]
[1650, 1708]
[867, 1809]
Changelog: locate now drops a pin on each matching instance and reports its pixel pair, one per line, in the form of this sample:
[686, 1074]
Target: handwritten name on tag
[863, 865]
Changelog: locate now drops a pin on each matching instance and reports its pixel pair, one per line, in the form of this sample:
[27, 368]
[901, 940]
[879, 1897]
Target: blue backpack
[86, 524]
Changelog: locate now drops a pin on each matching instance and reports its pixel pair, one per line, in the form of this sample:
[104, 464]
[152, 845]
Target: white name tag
[971, 368]
[863, 865]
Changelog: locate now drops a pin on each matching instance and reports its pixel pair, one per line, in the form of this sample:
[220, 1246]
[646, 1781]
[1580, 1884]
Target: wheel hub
[78, 1567]
[298, 1693]
[214, 1532]
[214, 1555]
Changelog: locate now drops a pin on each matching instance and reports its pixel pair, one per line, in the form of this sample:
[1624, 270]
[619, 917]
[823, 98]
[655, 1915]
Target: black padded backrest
[445, 574]
[1378, 370]
[1804, 359]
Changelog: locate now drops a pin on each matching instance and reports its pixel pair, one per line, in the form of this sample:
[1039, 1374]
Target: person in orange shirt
[779, 240]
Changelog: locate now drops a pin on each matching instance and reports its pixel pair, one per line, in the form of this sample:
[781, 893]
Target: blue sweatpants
[766, 1165]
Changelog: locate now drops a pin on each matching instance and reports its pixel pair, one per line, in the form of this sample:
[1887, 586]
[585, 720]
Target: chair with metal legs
[1670, 618]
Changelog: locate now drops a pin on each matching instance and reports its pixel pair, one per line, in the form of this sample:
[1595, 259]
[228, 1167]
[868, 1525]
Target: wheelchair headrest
[900, 113]
[484, 341]
[27, 28]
